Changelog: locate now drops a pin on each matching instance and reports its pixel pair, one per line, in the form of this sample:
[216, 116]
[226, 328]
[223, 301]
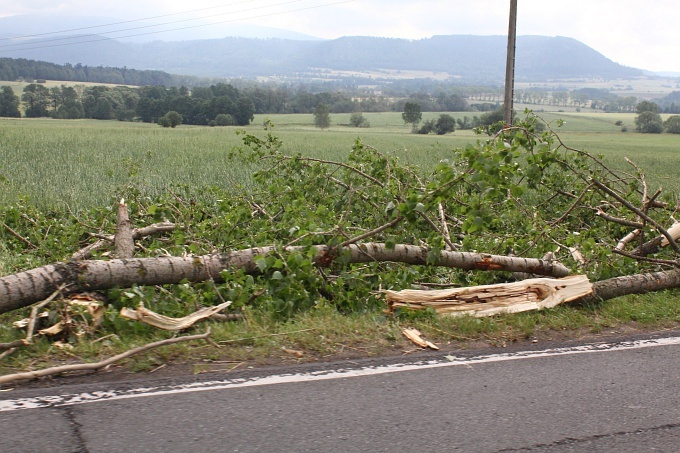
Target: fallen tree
[25, 288]
[519, 193]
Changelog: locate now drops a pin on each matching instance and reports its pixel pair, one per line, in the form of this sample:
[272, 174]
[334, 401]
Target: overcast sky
[631, 32]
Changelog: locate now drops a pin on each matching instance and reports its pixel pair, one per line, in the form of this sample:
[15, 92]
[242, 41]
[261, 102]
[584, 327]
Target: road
[603, 397]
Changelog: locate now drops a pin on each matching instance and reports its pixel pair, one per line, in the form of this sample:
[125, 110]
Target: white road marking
[447, 361]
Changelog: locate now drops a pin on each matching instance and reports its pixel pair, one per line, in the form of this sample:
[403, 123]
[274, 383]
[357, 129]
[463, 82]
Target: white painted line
[447, 361]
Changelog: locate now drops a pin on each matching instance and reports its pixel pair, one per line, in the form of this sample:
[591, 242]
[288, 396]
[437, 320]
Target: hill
[467, 58]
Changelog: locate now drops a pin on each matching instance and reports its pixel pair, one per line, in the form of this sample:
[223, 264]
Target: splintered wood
[489, 300]
[152, 318]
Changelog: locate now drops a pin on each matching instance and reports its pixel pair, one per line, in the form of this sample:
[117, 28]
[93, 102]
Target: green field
[85, 163]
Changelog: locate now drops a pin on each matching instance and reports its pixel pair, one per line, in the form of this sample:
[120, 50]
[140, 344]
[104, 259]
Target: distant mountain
[467, 58]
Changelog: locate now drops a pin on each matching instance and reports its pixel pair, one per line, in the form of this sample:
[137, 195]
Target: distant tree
[245, 111]
[412, 115]
[647, 106]
[444, 124]
[357, 119]
[103, 109]
[465, 123]
[9, 103]
[672, 124]
[67, 103]
[170, 119]
[322, 118]
[648, 120]
[492, 122]
[37, 99]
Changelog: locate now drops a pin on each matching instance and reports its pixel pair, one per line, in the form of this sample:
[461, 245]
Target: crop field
[85, 163]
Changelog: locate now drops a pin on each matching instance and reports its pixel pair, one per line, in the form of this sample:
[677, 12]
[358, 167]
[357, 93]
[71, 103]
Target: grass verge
[325, 335]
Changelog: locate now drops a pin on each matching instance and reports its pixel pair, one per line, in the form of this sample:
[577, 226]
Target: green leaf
[261, 264]
[516, 191]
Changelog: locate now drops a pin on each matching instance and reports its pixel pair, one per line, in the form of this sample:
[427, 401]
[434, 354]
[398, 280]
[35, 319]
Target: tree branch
[99, 365]
[641, 214]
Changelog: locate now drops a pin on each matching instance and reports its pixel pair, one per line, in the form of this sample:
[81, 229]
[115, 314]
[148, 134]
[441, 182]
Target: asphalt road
[622, 397]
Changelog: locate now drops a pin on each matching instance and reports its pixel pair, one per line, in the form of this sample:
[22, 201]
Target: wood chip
[416, 337]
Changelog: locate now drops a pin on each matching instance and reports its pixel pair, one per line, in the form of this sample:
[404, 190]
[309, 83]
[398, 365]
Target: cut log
[488, 300]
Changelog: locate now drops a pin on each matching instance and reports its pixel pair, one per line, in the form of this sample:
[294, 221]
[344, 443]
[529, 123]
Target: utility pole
[510, 66]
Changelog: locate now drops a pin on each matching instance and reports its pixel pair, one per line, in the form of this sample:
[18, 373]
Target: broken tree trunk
[24, 288]
[137, 233]
[488, 300]
[124, 242]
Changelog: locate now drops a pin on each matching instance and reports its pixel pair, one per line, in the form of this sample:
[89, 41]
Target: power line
[66, 38]
[169, 30]
[119, 23]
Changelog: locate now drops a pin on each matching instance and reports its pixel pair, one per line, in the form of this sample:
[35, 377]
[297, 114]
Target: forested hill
[13, 69]
[463, 57]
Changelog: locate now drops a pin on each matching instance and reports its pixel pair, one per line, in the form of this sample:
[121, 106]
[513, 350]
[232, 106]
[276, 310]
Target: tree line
[223, 104]
[217, 104]
[23, 69]
[201, 106]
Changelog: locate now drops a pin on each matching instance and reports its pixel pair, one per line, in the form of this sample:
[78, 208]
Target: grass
[85, 163]
[324, 334]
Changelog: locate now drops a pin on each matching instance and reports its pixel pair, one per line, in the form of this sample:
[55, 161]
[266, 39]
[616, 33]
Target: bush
[649, 122]
[224, 119]
[357, 119]
[427, 127]
[672, 124]
[442, 125]
[445, 124]
[171, 119]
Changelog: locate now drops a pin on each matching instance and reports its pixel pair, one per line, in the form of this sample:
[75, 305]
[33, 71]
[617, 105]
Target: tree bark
[124, 243]
[25, 288]
[633, 284]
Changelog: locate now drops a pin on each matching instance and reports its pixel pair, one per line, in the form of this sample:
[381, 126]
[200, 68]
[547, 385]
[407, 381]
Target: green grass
[85, 163]
[325, 334]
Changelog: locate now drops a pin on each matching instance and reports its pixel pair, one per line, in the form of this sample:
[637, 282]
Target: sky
[629, 32]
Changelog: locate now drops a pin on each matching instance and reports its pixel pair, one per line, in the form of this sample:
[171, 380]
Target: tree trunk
[489, 300]
[124, 242]
[633, 284]
[25, 288]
